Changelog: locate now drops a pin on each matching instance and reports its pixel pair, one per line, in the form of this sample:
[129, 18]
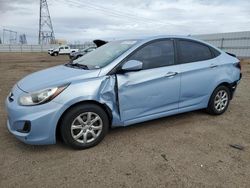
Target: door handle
[171, 74]
[213, 66]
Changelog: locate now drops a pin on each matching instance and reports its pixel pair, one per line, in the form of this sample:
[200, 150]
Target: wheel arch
[54, 53]
[85, 102]
[229, 86]
[210, 106]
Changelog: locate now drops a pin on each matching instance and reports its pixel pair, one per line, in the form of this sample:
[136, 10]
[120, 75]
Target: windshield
[105, 54]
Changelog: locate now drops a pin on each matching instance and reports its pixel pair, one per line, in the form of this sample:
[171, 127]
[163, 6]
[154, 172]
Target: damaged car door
[152, 91]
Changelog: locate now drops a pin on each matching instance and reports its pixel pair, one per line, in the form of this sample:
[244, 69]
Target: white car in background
[62, 50]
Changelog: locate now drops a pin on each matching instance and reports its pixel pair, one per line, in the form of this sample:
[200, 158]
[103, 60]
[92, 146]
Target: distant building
[60, 41]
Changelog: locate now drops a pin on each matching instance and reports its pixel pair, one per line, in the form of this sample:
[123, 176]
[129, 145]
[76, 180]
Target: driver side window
[156, 54]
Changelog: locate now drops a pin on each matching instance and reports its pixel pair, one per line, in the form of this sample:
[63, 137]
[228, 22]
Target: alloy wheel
[221, 100]
[86, 127]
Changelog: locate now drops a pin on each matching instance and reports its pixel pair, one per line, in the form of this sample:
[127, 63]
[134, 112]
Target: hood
[54, 76]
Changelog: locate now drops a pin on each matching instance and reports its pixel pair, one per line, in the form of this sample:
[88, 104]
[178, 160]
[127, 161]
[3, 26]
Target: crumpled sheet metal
[108, 96]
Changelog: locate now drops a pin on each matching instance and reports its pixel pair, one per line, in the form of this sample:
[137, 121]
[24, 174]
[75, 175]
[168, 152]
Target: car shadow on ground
[169, 121]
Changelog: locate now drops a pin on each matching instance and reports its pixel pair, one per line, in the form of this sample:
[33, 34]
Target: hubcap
[86, 127]
[221, 100]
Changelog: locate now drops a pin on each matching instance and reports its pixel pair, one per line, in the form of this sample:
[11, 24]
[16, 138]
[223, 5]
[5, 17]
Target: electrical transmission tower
[9, 36]
[46, 33]
[22, 39]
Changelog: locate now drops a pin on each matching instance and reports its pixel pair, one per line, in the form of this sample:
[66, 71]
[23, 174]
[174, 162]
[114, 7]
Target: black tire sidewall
[211, 107]
[72, 114]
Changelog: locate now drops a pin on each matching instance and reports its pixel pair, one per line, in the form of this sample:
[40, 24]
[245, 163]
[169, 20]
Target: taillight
[238, 65]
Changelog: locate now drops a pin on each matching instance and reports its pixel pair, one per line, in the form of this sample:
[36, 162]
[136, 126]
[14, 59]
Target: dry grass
[186, 150]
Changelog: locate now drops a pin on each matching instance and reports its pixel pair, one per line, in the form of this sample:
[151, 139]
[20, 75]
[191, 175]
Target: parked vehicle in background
[62, 50]
[50, 50]
[119, 84]
[80, 53]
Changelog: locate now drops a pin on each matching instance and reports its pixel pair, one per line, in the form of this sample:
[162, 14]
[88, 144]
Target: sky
[82, 20]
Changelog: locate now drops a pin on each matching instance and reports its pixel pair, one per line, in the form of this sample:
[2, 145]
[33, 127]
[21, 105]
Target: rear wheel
[84, 126]
[219, 101]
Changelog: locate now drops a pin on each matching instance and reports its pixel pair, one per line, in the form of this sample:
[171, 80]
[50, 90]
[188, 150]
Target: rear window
[215, 52]
[190, 51]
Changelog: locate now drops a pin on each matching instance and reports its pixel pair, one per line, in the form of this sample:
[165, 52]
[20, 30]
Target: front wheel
[219, 101]
[84, 126]
[55, 53]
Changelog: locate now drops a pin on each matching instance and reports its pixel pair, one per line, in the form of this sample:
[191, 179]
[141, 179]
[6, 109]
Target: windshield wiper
[77, 65]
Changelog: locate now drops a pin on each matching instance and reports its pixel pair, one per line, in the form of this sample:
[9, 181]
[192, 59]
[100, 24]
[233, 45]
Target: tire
[55, 54]
[218, 104]
[76, 122]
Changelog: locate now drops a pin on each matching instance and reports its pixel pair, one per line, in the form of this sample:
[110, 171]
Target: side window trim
[151, 42]
[176, 62]
[119, 65]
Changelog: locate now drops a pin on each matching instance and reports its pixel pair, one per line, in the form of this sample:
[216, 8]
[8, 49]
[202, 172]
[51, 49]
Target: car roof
[148, 39]
[170, 36]
[143, 40]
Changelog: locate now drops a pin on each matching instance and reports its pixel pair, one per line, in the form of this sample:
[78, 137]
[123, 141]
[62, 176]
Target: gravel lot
[187, 150]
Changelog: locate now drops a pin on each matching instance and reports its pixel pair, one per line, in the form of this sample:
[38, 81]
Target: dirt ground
[187, 150]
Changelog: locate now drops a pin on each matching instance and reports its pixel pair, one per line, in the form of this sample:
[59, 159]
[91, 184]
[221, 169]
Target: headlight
[42, 96]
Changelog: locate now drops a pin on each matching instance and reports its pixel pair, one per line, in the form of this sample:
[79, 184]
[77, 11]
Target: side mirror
[132, 65]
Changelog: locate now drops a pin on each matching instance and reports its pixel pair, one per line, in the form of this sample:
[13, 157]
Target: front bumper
[34, 125]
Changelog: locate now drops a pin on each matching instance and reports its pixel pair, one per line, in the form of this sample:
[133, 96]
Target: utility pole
[46, 33]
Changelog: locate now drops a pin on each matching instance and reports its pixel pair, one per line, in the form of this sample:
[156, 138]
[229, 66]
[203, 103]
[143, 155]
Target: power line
[107, 12]
[117, 14]
[129, 14]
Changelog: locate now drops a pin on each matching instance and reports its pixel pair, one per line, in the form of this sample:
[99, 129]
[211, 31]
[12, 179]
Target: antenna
[46, 32]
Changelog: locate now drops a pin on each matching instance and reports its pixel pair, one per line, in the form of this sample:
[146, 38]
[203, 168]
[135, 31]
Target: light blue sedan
[119, 84]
